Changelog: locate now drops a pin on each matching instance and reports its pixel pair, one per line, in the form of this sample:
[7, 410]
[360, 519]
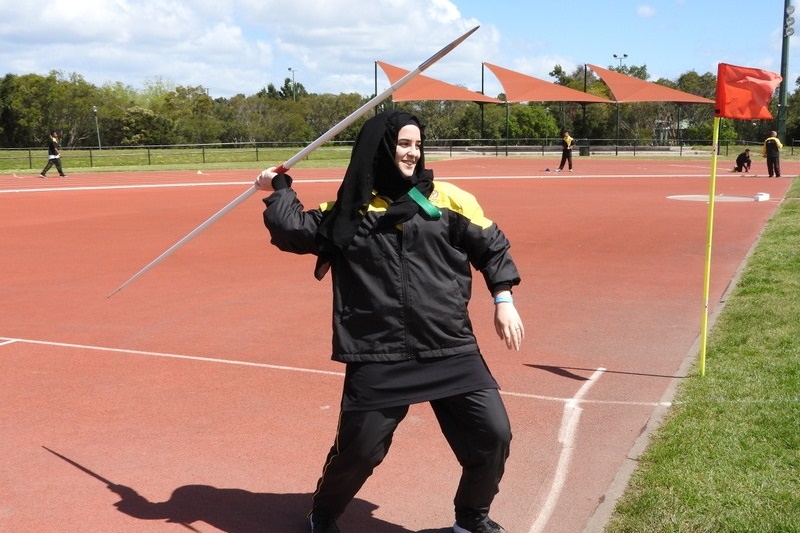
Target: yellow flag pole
[709, 233]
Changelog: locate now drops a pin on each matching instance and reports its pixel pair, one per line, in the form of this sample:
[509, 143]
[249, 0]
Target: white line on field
[176, 356]
[566, 436]
[543, 175]
[6, 341]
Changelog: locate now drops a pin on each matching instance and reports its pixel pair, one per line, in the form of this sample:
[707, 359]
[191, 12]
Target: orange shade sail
[425, 88]
[523, 88]
[630, 89]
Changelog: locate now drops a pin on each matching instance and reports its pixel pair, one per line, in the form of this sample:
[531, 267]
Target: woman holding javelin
[400, 248]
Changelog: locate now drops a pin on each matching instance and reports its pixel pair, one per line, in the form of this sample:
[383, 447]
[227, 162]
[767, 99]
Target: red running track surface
[201, 397]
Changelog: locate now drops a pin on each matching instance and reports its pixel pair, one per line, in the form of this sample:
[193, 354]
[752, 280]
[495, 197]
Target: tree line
[162, 113]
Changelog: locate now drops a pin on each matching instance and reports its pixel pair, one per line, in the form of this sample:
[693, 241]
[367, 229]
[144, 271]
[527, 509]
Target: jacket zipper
[404, 292]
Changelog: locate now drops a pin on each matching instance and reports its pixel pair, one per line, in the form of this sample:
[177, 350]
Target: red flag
[744, 92]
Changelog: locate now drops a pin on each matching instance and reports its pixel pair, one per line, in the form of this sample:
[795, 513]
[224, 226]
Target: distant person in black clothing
[567, 143]
[772, 151]
[53, 156]
[743, 162]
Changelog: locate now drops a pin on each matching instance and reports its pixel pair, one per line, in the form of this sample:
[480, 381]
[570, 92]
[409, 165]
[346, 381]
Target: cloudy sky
[240, 46]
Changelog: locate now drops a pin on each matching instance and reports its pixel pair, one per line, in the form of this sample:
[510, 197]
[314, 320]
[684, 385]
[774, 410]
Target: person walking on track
[53, 155]
[400, 248]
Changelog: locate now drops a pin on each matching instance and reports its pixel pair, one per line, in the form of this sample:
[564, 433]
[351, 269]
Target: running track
[201, 396]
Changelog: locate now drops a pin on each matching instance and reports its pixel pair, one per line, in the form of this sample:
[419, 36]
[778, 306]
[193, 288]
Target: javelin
[322, 139]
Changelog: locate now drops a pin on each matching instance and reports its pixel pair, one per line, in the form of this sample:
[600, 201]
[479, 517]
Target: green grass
[176, 158]
[171, 158]
[727, 457]
[198, 157]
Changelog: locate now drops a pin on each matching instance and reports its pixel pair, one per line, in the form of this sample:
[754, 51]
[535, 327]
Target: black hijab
[372, 167]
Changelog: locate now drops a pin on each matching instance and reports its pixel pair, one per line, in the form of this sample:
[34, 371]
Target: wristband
[503, 298]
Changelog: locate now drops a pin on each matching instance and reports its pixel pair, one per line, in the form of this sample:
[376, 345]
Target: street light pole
[97, 127]
[294, 85]
[620, 57]
[788, 31]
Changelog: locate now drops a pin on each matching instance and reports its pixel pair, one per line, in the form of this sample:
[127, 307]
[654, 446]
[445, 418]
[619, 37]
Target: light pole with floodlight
[97, 127]
[620, 57]
[788, 31]
[294, 85]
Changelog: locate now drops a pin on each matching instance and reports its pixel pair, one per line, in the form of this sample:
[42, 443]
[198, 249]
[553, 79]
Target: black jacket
[402, 294]
[772, 148]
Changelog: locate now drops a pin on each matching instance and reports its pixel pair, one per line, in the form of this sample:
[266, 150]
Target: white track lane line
[566, 436]
[174, 356]
[334, 180]
[4, 341]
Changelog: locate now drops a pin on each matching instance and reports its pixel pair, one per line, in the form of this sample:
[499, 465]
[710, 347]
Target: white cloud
[240, 46]
[646, 11]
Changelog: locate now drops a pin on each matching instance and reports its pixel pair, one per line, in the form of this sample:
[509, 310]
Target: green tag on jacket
[424, 203]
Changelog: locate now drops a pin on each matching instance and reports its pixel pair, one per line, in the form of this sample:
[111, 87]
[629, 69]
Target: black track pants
[475, 425]
[773, 166]
[50, 162]
[566, 157]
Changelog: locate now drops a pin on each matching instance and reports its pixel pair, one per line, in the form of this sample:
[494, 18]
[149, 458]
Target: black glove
[281, 181]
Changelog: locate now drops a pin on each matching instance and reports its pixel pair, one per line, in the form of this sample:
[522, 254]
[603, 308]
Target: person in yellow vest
[772, 151]
[567, 143]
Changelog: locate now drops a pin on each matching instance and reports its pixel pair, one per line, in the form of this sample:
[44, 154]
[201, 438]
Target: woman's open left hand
[508, 325]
